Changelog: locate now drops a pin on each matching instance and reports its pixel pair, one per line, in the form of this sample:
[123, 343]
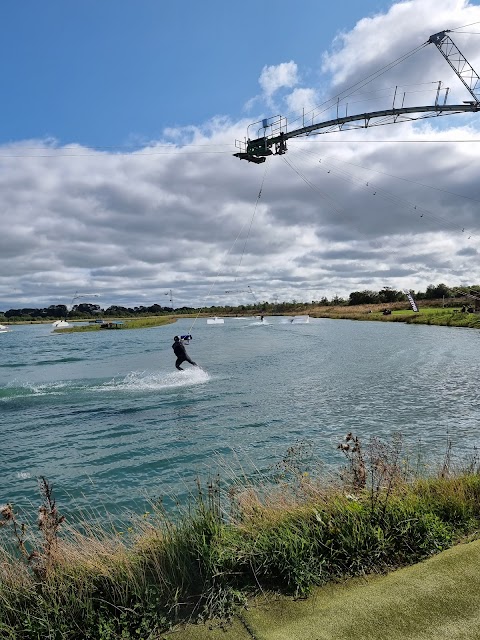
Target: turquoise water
[110, 422]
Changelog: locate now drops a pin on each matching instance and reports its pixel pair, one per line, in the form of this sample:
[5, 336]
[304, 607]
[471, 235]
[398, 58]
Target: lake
[109, 421]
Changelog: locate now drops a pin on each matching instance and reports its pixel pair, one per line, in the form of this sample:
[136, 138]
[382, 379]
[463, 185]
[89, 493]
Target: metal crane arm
[457, 61]
[257, 149]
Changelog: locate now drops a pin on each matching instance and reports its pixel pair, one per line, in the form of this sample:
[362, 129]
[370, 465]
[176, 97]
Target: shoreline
[428, 315]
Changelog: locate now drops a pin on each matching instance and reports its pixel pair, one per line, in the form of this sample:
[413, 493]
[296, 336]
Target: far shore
[393, 312]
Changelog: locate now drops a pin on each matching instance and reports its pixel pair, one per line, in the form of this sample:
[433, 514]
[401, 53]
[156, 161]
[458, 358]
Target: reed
[287, 532]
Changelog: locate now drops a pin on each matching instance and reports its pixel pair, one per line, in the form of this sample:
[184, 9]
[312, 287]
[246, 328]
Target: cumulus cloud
[279, 87]
[275, 77]
[337, 213]
[379, 40]
[300, 99]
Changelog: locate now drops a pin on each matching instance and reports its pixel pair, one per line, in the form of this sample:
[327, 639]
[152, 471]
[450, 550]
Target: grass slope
[427, 315]
[433, 600]
[131, 323]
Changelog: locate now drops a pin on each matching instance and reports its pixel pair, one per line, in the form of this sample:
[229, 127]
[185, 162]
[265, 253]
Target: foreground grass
[432, 600]
[288, 536]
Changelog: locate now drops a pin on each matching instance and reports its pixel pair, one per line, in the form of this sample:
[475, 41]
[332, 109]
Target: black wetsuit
[181, 353]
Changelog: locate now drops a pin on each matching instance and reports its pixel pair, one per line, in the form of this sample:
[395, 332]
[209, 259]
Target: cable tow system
[272, 133]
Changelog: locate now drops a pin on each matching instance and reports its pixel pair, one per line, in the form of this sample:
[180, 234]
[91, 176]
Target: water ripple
[108, 419]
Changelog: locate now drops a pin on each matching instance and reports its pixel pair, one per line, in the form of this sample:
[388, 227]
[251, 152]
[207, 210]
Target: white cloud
[300, 99]
[379, 40]
[275, 77]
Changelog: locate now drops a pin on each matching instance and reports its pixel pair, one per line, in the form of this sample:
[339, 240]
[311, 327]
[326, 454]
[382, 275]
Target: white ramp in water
[60, 324]
[215, 320]
[300, 320]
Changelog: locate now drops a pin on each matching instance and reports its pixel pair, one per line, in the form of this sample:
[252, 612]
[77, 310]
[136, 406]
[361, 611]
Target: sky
[119, 122]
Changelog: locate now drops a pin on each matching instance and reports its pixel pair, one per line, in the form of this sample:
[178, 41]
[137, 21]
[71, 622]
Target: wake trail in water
[18, 389]
[134, 381]
[143, 381]
[259, 323]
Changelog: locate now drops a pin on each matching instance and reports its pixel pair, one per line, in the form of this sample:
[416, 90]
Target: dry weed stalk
[385, 469]
[49, 521]
[352, 449]
[8, 516]
[447, 460]
[472, 462]
[381, 466]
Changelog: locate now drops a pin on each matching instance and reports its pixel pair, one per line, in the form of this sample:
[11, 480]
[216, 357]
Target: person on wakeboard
[181, 353]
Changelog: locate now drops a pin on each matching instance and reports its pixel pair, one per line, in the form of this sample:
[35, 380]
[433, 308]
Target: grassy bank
[288, 535]
[130, 323]
[451, 317]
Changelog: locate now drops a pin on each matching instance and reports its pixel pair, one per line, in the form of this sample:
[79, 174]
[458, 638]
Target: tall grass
[288, 535]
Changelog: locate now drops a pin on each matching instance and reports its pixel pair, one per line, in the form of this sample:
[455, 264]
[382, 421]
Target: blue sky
[112, 72]
[118, 127]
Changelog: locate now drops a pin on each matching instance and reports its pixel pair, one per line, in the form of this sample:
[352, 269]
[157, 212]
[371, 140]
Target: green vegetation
[433, 315]
[288, 534]
[440, 317]
[133, 323]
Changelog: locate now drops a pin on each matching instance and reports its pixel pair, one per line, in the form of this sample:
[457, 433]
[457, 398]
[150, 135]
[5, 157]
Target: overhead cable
[421, 184]
[376, 190]
[234, 243]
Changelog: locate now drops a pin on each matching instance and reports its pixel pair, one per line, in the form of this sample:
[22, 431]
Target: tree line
[88, 311]
[433, 292]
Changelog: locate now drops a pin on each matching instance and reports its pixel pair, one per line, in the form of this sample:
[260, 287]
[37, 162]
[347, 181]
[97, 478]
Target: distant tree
[57, 311]
[435, 292]
[24, 314]
[155, 309]
[387, 294]
[362, 297]
[86, 309]
[118, 311]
